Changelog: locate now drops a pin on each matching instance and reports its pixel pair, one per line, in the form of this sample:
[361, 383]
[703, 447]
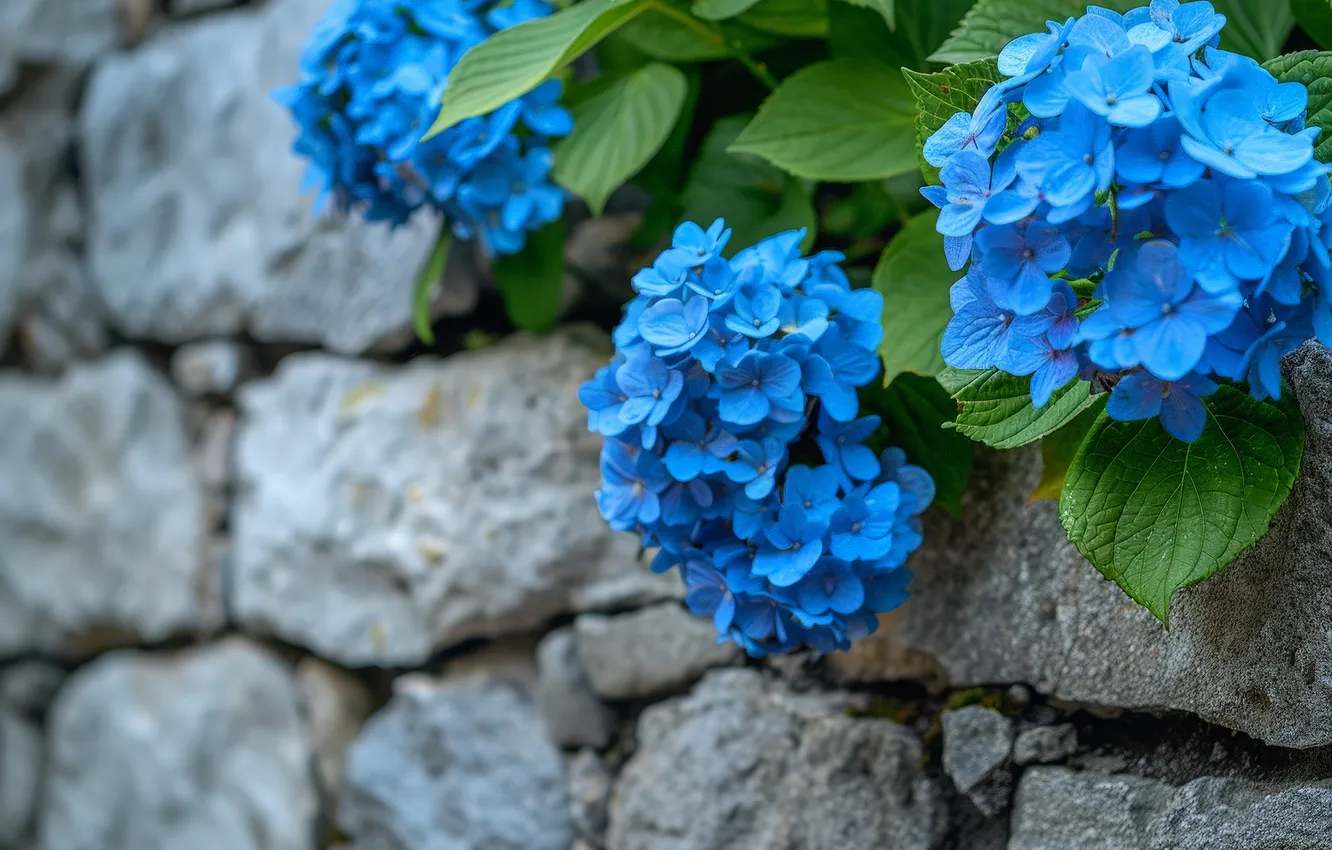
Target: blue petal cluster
[372, 76]
[734, 442]
[1172, 183]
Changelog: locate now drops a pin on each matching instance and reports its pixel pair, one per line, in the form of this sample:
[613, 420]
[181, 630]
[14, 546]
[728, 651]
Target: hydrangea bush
[372, 76]
[734, 442]
[1136, 200]
[1171, 182]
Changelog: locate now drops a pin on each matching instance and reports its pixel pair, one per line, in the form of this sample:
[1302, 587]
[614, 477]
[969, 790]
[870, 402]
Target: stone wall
[271, 581]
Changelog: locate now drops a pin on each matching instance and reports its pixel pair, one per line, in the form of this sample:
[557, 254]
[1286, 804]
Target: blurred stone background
[272, 577]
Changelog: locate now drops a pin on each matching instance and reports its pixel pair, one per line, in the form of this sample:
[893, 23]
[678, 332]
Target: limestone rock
[212, 366]
[1058, 809]
[386, 512]
[1001, 596]
[1045, 744]
[741, 762]
[977, 750]
[57, 32]
[456, 766]
[197, 224]
[589, 797]
[572, 712]
[335, 706]
[649, 652]
[100, 512]
[20, 775]
[28, 687]
[202, 749]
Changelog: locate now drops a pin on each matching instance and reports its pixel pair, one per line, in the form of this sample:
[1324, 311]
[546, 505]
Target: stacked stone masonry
[269, 582]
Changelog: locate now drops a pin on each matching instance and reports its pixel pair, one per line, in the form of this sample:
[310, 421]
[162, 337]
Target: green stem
[714, 35]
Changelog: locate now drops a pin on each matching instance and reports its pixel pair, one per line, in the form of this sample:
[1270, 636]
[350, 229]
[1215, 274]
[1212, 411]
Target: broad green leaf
[1059, 449]
[514, 61]
[1314, 70]
[663, 178]
[841, 121]
[427, 284]
[532, 282]
[716, 10]
[886, 8]
[922, 25]
[1255, 29]
[915, 408]
[757, 199]
[1315, 18]
[867, 209]
[942, 95]
[664, 37]
[618, 131]
[914, 278]
[1154, 514]
[794, 18]
[992, 24]
[995, 408]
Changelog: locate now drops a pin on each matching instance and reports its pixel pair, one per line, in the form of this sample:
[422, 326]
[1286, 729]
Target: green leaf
[514, 61]
[942, 95]
[992, 24]
[922, 25]
[427, 283]
[1059, 449]
[1315, 18]
[842, 121]
[995, 408]
[756, 199]
[1255, 29]
[618, 131]
[1314, 70]
[886, 8]
[867, 209]
[532, 282]
[716, 10]
[1154, 514]
[915, 409]
[664, 37]
[793, 18]
[914, 278]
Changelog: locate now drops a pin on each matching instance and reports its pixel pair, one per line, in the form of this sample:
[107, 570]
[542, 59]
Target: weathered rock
[977, 746]
[573, 714]
[197, 224]
[743, 763]
[1001, 596]
[589, 797]
[456, 766]
[185, 8]
[1046, 744]
[20, 775]
[211, 366]
[385, 512]
[649, 652]
[100, 512]
[335, 706]
[1058, 809]
[57, 32]
[202, 749]
[29, 686]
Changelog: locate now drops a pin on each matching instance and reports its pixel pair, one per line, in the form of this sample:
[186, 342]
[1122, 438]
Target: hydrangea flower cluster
[372, 76]
[1156, 221]
[733, 442]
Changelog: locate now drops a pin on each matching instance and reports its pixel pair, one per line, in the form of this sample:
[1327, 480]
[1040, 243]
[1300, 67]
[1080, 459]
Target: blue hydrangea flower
[1157, 222]
[701, 410]
[372, 75]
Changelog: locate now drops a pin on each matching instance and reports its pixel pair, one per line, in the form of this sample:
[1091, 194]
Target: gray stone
[212, 366]
[456, 767]
[386, 512]
[1046, 744]
[649, 652]
[590, 785]
[20, 775]
[197, 224]
[743, 763]
[100, 512]
[977, 745]
[57, 32]
[29, 686]
[1058, 809]
[336, 705]
[1001, 596]
[185, 8]
[202, 749]
[573, 714]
